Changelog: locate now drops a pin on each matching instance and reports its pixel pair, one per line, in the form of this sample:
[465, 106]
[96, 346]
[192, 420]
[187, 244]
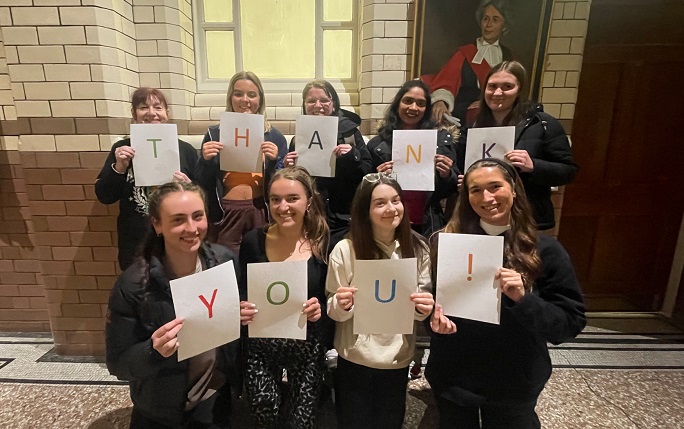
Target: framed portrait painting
[456, 40]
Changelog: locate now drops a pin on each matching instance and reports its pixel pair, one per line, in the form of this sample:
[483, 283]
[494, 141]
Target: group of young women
[482, 375]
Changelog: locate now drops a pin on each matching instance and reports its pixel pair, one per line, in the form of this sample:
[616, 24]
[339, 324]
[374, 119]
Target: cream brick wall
[386, 46]
[564, 57]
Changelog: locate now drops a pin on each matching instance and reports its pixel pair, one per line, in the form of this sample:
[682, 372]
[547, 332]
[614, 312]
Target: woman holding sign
[411, 110]
[494, 372]
[298, 233]
[372, 370]
[541, 152]
[116, 182]
[236, 203]
[142, 329]
[353, 159]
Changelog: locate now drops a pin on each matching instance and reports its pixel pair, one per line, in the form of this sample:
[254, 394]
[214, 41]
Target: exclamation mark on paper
[470, 266]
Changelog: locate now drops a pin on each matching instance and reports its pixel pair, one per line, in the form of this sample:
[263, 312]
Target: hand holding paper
[511, 283]
[165, 339]
[270, 150]
[312, 310]
[210, 150]
[423, 301]
[441, 324]
[521, 159]
[247, 312]
[345, 297]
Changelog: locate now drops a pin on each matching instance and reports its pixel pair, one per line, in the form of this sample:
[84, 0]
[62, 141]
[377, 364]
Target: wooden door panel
[621, 216]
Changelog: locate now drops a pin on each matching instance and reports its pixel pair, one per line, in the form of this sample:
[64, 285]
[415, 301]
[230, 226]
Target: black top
[132, 224]
[253, 250]
[509, 362]
[338, 192]
[545, 140]
[139, 304]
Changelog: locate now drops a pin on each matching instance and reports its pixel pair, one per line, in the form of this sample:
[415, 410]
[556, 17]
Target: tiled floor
[623, 372]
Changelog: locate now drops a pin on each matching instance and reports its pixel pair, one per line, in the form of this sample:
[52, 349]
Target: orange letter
[409, 148]
[246, 137]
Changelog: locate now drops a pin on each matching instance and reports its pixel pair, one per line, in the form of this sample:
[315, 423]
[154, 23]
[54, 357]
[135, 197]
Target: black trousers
[487, 416]
[369, 398]
[200, 417]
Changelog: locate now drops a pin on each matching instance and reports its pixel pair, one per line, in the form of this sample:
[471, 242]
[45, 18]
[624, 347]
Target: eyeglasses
[313, 101]
[374, 177]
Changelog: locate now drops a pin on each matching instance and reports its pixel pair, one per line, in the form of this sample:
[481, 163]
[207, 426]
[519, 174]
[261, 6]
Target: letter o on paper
[270, 289]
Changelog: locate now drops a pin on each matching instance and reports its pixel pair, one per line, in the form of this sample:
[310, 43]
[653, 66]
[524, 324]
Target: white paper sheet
[209, 303]
[315, 139]
[279, 290]
[241, 135]
[156, 153]
[466, 266]
[382, 303]
[413, 153]
[488, 142]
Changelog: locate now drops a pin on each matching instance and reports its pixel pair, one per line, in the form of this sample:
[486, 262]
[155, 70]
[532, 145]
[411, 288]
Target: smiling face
[182, 222]
[501, 91]
[317, 102]
[386, 210]
[490, 195]
[152, 111]
[412, 107]
[288, 202]
[245, 97]
[492, 24]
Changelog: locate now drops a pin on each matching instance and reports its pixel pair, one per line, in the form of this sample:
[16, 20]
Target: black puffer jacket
[545, 140]
[158, 385]
[338, 192]
[433, 217]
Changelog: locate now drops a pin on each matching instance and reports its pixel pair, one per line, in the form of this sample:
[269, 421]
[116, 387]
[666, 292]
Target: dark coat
[132, 223]
[338, 192]
[209, 175]
[158, 385]
[509, 363]
[433, 218]
[544, 138]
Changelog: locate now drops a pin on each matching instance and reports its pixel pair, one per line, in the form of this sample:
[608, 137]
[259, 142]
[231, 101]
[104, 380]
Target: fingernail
[256, 311]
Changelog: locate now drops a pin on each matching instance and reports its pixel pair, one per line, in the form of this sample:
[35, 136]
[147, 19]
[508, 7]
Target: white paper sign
[156, 153]
[466, 266]
[241, 136]
[413, 153]
[209, 303]
[488, 142]
[382, 303]
[315, 140]
[279, 290]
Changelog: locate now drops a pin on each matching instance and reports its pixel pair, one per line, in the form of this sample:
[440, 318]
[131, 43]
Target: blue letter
[377, 291]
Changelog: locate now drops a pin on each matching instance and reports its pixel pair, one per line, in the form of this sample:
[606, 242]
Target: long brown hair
[520, 241]
[485, 118]
[315, 229]
[361, 231]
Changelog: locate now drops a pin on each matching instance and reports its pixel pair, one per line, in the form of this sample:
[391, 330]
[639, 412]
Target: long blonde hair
[250, 76]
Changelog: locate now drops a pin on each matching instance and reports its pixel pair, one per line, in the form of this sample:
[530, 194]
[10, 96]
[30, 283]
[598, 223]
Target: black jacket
[433, 218]
[510, 362]
[132, 223]
[544, 138]
[209, 175]
[338, 192]
[158, 385]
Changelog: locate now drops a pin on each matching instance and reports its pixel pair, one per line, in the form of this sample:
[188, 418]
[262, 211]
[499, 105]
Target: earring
[159, 234]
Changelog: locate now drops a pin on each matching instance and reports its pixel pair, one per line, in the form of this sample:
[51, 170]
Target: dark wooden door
[621, 216]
